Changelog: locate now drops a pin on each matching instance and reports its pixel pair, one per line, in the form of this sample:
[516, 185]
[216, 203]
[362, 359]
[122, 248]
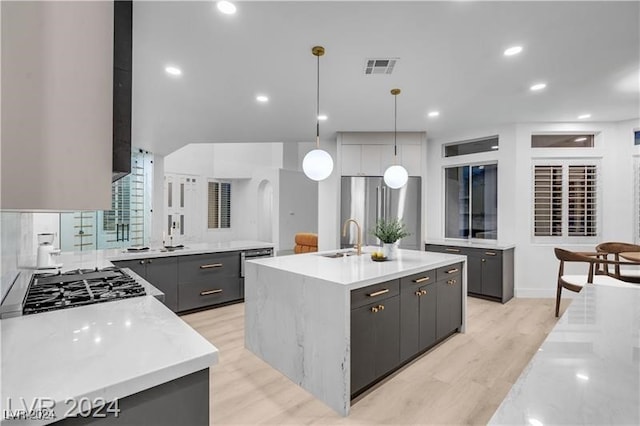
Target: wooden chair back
[615, 248]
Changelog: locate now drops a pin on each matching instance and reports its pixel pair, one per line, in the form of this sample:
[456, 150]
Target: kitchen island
[337, 325]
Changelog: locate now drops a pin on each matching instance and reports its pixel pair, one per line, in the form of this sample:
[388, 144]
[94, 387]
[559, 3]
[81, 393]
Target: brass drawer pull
[452, 271]
[378, 293]
[208, 292]
[451, 282]
[453, 250]
[423, 292]
[213, 265]
[421, 280]
[381, 307]
[490, 253]
[374, 309]
[418, 293]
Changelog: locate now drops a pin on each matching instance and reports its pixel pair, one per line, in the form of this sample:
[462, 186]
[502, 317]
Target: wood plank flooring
[461, 381]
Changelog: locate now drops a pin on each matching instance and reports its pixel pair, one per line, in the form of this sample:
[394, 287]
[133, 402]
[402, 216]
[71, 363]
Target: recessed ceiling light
[226, 7]
[538, 86]
[535, 422]
[583, 116]
[582, 376]
[580, 140]
[262, 98]
[322, 117]
[175, 71]
[434, 113]
[514, 50]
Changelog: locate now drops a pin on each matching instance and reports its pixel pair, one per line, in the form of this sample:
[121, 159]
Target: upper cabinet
[57, 104]
[369, 154]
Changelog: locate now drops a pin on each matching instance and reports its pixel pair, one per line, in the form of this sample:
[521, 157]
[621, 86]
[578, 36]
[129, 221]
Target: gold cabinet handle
[490, 253]
[451, 282]
[452, 271]
[374, 309]
[418, 293]
[212, 265]
[381, 307]
[423, 292]
[208, 292]
[453, 250]
[378, 293]
[421, 280]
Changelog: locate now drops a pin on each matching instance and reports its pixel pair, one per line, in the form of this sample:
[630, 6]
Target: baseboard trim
[542, 293]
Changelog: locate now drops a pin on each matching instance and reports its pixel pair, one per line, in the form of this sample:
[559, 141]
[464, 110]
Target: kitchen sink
[338, 254]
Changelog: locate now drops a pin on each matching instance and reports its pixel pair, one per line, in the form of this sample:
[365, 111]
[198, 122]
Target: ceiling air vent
[380, 66]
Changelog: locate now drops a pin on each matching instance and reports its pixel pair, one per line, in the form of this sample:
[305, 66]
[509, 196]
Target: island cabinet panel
[448, 300]
[208, 279]
[161, 272]
[417, 313]
[375, 341]
[490, 271]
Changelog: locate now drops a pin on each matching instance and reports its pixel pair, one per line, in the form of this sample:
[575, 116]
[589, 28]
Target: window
[563, 141]
[471, 202]
[565, 200]
[471, 147]
[218, 205]
[636, 135]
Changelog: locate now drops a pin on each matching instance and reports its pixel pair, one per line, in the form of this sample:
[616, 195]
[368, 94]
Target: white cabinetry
[369, 154]
[57, 103]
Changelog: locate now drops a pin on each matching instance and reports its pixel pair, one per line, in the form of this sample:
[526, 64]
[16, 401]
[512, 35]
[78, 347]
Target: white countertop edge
[189, 249]
[489, 244]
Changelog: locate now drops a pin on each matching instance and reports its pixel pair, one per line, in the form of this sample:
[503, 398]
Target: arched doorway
[265, 211]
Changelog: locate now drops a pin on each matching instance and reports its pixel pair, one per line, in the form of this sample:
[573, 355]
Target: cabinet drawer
[417, 280]
[374, 293]
[212, 292]
[483, 252]
[449, 272]
[202, 268]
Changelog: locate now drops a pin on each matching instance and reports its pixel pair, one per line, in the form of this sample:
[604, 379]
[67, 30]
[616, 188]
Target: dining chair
[577, 282]
[615, 248]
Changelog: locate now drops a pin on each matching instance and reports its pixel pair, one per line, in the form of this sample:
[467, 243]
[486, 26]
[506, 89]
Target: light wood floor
[461, 381]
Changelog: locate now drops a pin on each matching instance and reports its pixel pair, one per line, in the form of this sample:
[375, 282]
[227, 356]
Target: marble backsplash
[15, 240]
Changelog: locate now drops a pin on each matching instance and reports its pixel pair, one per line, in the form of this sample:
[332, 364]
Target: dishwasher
[248, 255]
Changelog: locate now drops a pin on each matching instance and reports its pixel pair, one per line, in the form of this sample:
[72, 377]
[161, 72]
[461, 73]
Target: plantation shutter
[582, 201]
[225, 205]
[213, 220]
[547, 200]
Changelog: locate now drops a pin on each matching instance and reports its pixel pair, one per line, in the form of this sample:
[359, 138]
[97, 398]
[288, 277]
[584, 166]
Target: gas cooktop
[50, 291]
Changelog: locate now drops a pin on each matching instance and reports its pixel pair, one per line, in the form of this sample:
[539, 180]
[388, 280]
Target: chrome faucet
[344, 234]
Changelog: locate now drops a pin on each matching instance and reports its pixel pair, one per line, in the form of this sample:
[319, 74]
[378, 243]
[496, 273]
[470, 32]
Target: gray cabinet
[161, 272]
[417, 314]
[490, 271]
[375, 341]
[448, 300]
[208, 279]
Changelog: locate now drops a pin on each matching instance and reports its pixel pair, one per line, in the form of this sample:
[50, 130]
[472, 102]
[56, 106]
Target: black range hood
[122, 87]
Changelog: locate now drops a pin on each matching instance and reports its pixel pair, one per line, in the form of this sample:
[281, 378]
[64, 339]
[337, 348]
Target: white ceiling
[451, 60]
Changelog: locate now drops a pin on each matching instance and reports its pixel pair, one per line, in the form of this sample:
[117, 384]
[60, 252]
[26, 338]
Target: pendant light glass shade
[317, 164]
[395, 176]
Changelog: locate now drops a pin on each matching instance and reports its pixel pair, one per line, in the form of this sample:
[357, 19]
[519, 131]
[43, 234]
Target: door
[404, 204]
[363, 348]
[163, 274]
[474, 273]
[427, 302]
[387, 324]
[491, 275]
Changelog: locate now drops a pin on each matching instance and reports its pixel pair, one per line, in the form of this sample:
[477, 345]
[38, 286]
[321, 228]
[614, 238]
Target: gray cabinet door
[428, 311]
[363, 348]
[449, 305]
[492, 276]
[474, 273]
[138, 266]
[162, 272]
[387, 324]
[409, 321]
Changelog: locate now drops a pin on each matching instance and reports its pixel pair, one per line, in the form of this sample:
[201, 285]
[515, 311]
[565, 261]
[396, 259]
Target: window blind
[582, 201]
[225, 205]
[547, 200]
[213, 220]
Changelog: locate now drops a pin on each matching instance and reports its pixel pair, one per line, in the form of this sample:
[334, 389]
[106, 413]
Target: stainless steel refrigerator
[367, 199]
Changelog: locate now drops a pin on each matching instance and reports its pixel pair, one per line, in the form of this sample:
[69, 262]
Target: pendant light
[395, 176]
[317, 164]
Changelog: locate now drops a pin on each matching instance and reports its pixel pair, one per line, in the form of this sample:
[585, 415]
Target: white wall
[298, 205]
[535, 263]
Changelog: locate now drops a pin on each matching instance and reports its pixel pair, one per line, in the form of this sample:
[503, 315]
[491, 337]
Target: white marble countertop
[587, 371]
[189, 249]
[359, 271]
[486, 244]
[107, 350]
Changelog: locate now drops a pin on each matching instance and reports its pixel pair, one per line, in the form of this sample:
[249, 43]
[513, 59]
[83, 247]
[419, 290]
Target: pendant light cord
[395, 127]
[318, 106]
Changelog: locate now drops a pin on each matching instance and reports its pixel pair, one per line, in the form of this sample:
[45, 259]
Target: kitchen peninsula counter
[105, 352]
[298, 312]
